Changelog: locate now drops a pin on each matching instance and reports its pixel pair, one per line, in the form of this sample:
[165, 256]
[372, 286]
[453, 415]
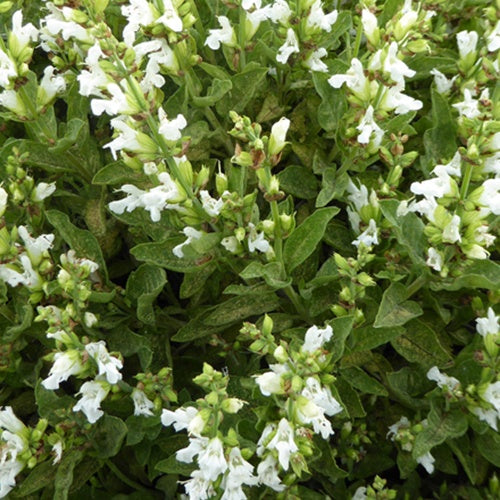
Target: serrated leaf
[83, 242]
[420, 344]
[394, 309]
[440, 427]
[304, 239]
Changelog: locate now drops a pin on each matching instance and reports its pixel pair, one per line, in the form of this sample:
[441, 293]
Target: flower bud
[267, 326]
[278, 135]
[280, 354]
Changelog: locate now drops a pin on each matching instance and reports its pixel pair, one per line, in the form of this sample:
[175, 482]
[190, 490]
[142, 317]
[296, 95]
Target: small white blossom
[138, 13]
[192, 234]
[142, 404]
[267, 473]
[451, 233]
[93, 393]
[230, 243]
[198, 488]
[35, 247]
[369, 236]
[108, 365]
[314, 62]
[196, 445]
[355, 78]
[65, 364]
[370, 24]
[321, 396]
[395, 100]
[170, 18]
[427, 462]
[50, 86]
[402, 423]
[390, 64]
[21, 36]
[182, 418]
[89, 319]
[360, 493]
[492, 395]
[171, 129]
[443, 85]
[280, 12]
[316, 337]
[468, 107]
[8, 70]
[9, 421]
[493, 39]
[490, 197]
[277, 139]
[43, 190]
[443, 380]
[489, 324]
[57, 449]
[224, 36]
[211, 460]
[269, 383]
[466, 41]
[239, 473]
[434, 259]
[119, 103]
[284, 443]
[318, 19]
[290, 47]
[489, 416]
[257, 241]
[367, 127]
[211, 205]
[309, 412]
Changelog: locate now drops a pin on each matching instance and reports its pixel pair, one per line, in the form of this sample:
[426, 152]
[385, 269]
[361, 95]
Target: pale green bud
[5, 7]
[277, 139]
[267, 325]
[232, 405]
[280, 354]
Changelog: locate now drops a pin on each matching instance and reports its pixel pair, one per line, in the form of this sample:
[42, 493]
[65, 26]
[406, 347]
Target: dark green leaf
[64, 475]
[298, 181]
[394, 309]
[488, 445]
[360, 380]
[475, 274]
[215, 93]
[107, 435]
[368, 338]
[304, 239]
[116, 173]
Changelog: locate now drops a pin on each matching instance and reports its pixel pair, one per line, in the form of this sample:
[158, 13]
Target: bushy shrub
[248, 250]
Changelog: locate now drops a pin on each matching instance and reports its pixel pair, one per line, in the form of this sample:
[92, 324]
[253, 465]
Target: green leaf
[440, 141]
[128, 343]
[360, 380]
[171, 465]
[76, 133]
[245, 84]
[215, 93]
[304, 239]
[64, 474]
[423, 64]
[475, 274]
[238, 308]
[83, 242]
[407, 385]
[40, 477]
[342, 328]
[440, 427]
[50, 405]
[194, 281]
[333, 101]
[394, 309]
[488, 445]
[144, 285]
[116, 173]
[107, 435]
[299, 181]
[332, 186]
[365, 339]
[272, 273]
[409, 230]
[12, 332]
[341, 25]
[350, 399]
[161, 254]
[420, 344]
[194, 330]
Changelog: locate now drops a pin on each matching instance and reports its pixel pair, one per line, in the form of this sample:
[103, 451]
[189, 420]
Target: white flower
[239, 472]
[127, 139]
[316, 337]
[443, 380]
[434, 259]
[211, 460]
[142, 405]
[120, 102]
[230, 243]
[8, 69]
[466, 41]
[224, 36]
[198, 488]
[35, 247]
[50, 86]
[451, 233]
[392, 65]
[321, 396]
[170, 18]
[310, 413]
[355, 78]
[138, 13]
[211, 206]
[290, 46]
[493, 38]
[11, 445]
[267, 473]
[402, 423]
[395, 100]
[21, 36]
[360, 493]
[9, 421]
[29, 278]
[283, 442]
[369, 236]
[10, 99]
[489, 416]
[318, 19]
[443, 85]
[492, 395]
[93, 393]
[490, 197]
[427, 462]
[43, 190]
[367, 127]
[57, 449]
[489, 324]
[257, 241]
[314, 62]
[468, 107]
[359, 197]
[269, 383]
[451, 168]
[89, 319]
[280, 12]
[70, 256]
[184, 418]
[438, 187]
[370, 25]
[65, 364]
[277, 139]
[171, 129]
[196, 445]
[108, 366]
[4, 197]
[192, 234]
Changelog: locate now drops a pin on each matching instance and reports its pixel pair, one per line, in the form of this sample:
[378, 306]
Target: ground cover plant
[248, 249]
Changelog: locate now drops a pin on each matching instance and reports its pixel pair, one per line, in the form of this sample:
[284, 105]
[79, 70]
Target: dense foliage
[248, 250]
